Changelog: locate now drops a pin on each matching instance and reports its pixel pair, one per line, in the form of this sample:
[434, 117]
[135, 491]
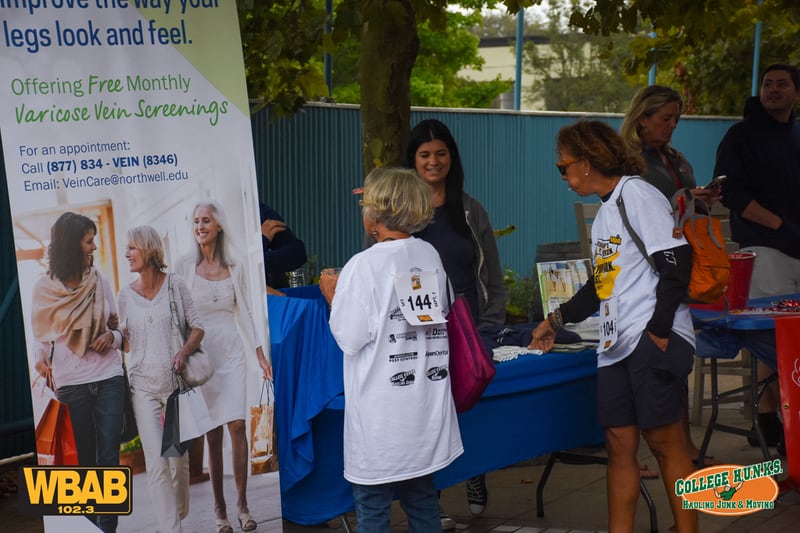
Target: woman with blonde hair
[146, 318]
[400, 424]
[218, 281]
[647, 129]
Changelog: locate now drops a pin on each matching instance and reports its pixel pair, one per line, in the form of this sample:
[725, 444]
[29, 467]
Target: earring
[586, 173]
[375, 231]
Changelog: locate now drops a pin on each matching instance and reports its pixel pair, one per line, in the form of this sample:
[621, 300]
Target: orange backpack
[710, 265]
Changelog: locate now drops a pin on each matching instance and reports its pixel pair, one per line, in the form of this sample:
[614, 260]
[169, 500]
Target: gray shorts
[648, 388]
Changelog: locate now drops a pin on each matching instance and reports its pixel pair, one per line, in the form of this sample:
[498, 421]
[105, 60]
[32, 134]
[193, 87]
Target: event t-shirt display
[400, 420]
[624, 281]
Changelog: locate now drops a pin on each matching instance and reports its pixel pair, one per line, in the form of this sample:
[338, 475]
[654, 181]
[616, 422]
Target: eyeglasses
[562, 166]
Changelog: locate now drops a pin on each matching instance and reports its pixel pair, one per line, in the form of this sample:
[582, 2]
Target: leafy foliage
[282, 47]
[579, 72]
[703, 48]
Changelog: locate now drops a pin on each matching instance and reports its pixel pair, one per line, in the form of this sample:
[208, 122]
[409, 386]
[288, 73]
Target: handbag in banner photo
[198, 368]
[171, 445]
[129, 430]
[263, 458]
[471, 365]
[186, 417]
[55, 441]
[194, 417]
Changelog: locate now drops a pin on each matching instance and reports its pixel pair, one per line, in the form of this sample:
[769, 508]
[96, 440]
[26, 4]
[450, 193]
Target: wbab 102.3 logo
[75, 490]
[731, 489]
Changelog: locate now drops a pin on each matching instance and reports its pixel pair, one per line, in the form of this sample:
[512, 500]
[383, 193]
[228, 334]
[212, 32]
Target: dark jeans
[96, 413]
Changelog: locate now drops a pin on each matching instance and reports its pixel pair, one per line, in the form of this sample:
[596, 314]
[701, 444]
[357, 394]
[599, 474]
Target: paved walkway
[574, 501]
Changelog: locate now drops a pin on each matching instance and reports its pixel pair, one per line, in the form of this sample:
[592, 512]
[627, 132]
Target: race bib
[420, 301]
[608, 324]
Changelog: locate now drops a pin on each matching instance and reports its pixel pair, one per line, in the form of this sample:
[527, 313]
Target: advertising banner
[129, 157]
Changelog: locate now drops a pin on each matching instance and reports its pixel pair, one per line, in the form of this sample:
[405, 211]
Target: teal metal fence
[307, 166]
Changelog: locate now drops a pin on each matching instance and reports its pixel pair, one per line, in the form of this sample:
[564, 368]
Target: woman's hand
[328, 279]
[179, 361]
[113, 321]
[707, 195]
[103, 342]
[266, 366]
[43, 367]
[544, 336]
[661, 342]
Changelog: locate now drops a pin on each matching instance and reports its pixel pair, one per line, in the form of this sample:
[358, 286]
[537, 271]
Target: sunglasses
[562, 166]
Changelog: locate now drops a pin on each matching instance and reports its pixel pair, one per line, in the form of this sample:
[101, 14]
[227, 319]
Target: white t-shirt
[623, 274]
[400, 421]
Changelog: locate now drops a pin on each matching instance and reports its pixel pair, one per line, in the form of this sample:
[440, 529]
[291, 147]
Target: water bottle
[297, 277]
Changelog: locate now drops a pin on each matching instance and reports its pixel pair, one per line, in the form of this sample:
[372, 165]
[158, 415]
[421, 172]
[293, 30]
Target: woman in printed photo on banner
[153, 361]
[74, 325]
[217, 278]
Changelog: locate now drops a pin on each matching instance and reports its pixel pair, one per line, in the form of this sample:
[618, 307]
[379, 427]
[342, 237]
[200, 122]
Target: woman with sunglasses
[646, 344]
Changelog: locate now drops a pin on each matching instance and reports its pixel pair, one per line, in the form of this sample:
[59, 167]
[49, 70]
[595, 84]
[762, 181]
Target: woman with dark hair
[74, 323]
[463, 236]
[646, 335]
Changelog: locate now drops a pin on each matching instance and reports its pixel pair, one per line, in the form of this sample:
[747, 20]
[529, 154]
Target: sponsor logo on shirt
[437, 373]
[400, 357]
[397, 314]
[407, 336]
[401, 379]
[436, 333]
[436, 353]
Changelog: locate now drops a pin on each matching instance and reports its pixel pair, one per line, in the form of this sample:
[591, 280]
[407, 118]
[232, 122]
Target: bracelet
[555, 319]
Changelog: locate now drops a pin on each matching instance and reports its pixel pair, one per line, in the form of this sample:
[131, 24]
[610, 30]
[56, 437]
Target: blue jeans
[96, 413]
[417, 498]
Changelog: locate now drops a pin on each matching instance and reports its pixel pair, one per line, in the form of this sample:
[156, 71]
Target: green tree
[497, 24]
[284, 36]
[703, 48]
[579, 72]
[434, 78]
[282, 48]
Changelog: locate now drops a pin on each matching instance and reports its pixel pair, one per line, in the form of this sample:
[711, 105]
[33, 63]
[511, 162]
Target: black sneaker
[477, 495]
[771, 428]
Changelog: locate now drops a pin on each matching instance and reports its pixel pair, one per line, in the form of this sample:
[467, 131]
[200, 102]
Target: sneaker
[448, 524]
[771, 428]
[477, 494]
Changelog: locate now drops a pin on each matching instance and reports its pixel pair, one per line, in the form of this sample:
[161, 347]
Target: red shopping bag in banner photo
[787, 336]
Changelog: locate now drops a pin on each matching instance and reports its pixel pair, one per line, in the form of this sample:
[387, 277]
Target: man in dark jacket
[761, 157]
[283, 251]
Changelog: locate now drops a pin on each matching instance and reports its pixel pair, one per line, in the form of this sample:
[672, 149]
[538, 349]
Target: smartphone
[717, 182]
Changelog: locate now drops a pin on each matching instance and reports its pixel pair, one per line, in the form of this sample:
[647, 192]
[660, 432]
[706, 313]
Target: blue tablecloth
[534, 405]
[740, 321]
[307, 366]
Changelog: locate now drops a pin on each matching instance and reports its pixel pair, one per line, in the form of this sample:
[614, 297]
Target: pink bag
[471, 365]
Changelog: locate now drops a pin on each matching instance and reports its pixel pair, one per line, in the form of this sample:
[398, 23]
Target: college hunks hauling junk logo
[729, 490]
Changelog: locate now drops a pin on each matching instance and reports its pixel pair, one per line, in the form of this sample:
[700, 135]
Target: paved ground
[574, 501]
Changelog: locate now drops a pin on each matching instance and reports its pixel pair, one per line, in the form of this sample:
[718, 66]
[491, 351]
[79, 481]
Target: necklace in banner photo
[214, 289]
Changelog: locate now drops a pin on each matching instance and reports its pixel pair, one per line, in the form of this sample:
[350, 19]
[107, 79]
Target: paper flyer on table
[130, 113]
